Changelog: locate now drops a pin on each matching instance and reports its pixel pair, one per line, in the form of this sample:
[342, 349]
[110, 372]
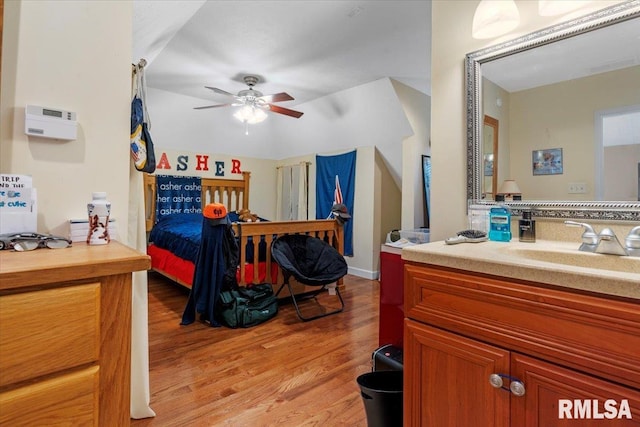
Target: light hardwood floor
[284, 372]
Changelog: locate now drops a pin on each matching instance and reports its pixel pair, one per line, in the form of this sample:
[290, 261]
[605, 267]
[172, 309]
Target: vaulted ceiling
[308, 49]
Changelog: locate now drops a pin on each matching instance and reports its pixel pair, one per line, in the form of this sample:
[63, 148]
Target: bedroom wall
[370, 117]
[388, 205]
[451, 40]
[367, 115]
[417, 107]
[74, 56]
[366, 219]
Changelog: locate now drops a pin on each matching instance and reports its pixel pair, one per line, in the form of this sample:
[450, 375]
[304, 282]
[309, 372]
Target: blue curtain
[335, 179]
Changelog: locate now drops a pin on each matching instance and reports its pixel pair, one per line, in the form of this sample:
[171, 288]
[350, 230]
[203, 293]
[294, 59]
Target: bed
[174, 238]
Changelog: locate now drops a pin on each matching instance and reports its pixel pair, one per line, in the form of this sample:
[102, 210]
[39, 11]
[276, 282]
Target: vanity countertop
[548, 262]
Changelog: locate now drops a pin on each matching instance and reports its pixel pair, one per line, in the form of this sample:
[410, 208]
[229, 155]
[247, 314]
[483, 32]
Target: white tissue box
[79, 229]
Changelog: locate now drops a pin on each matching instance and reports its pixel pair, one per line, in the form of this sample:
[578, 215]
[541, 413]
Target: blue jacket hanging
[215, 266]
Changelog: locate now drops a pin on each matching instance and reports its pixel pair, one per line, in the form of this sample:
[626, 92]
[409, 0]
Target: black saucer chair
[312, 262]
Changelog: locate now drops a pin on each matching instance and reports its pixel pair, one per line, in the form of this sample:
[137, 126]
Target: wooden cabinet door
[551, 389]
[446, 380]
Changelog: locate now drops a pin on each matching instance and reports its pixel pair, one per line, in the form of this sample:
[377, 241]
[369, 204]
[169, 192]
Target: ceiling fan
[254, 103]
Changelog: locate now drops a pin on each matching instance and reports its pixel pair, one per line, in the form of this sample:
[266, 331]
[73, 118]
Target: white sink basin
[577, 258]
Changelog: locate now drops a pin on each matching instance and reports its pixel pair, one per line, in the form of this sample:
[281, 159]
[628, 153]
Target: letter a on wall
[336, 178]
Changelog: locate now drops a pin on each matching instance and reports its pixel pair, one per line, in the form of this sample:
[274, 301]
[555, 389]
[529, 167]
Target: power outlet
[577, 188]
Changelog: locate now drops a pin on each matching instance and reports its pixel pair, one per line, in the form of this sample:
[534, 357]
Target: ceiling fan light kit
[250, 114]
[253, 104]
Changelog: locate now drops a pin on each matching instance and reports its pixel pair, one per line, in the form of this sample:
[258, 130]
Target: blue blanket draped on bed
[181, 235]
[178, 195]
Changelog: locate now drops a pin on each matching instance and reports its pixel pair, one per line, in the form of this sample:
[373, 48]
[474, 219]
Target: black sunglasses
[30, 241]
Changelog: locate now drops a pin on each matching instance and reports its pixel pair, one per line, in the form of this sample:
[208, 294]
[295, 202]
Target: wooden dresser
[65, 335]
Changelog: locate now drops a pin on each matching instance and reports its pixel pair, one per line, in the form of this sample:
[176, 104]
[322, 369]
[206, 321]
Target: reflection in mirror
[618, 153]
[517, 83]
[489, 157]
[426, 182]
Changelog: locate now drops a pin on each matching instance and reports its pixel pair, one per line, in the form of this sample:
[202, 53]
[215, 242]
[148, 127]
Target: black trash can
[382, 397]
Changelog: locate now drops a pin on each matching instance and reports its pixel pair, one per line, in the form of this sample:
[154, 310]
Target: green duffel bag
[247, 306]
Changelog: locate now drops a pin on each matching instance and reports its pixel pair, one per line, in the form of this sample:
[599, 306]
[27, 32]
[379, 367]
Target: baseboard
[366, 274]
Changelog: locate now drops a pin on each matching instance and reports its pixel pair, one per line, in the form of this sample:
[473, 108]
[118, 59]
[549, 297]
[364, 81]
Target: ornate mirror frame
[618, 211]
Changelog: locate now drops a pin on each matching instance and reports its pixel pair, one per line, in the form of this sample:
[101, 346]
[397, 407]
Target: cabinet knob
[496, 380]
[517, 388]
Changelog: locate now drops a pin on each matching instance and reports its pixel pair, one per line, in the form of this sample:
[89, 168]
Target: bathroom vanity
[519, 334]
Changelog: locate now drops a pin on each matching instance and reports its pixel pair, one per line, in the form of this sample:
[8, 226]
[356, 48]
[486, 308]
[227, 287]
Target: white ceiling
[308, 49]
[314, 48]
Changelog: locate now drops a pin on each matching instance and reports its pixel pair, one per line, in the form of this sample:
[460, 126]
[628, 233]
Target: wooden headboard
[233, 193]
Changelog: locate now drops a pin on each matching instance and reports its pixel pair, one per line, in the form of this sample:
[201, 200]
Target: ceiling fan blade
[285, 111]
[221, 92]
[211, 106]
[277, 97]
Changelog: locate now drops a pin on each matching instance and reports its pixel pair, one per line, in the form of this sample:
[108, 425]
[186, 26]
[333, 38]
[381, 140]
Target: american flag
[337, 196]
[337, 193]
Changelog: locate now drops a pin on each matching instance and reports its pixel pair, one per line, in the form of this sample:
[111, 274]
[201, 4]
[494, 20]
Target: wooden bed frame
[234, 194]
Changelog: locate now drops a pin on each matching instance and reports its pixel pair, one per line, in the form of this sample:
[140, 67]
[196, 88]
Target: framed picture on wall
[547, 161]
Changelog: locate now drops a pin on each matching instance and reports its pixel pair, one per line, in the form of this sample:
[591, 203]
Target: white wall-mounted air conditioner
[50, 123]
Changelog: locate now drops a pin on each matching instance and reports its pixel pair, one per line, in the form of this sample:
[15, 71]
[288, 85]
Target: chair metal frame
[306, 295]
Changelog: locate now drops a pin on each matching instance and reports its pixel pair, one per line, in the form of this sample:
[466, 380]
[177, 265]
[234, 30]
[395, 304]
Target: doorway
[617, 154]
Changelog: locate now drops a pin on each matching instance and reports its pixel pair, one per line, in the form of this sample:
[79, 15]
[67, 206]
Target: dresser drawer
[47, 331]
[70, 399]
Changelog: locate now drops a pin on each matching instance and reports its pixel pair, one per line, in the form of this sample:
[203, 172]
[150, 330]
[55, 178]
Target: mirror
[571, 191]
[489, 157]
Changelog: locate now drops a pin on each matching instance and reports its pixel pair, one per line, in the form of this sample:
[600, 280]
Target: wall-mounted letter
[219, 168]
[182, 163]
[163, 163]
[235, 166]
[202, 162]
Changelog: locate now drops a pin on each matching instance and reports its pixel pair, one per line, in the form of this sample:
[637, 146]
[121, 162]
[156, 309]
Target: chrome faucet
[632, 242]
[608, 243]
[589, 237]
